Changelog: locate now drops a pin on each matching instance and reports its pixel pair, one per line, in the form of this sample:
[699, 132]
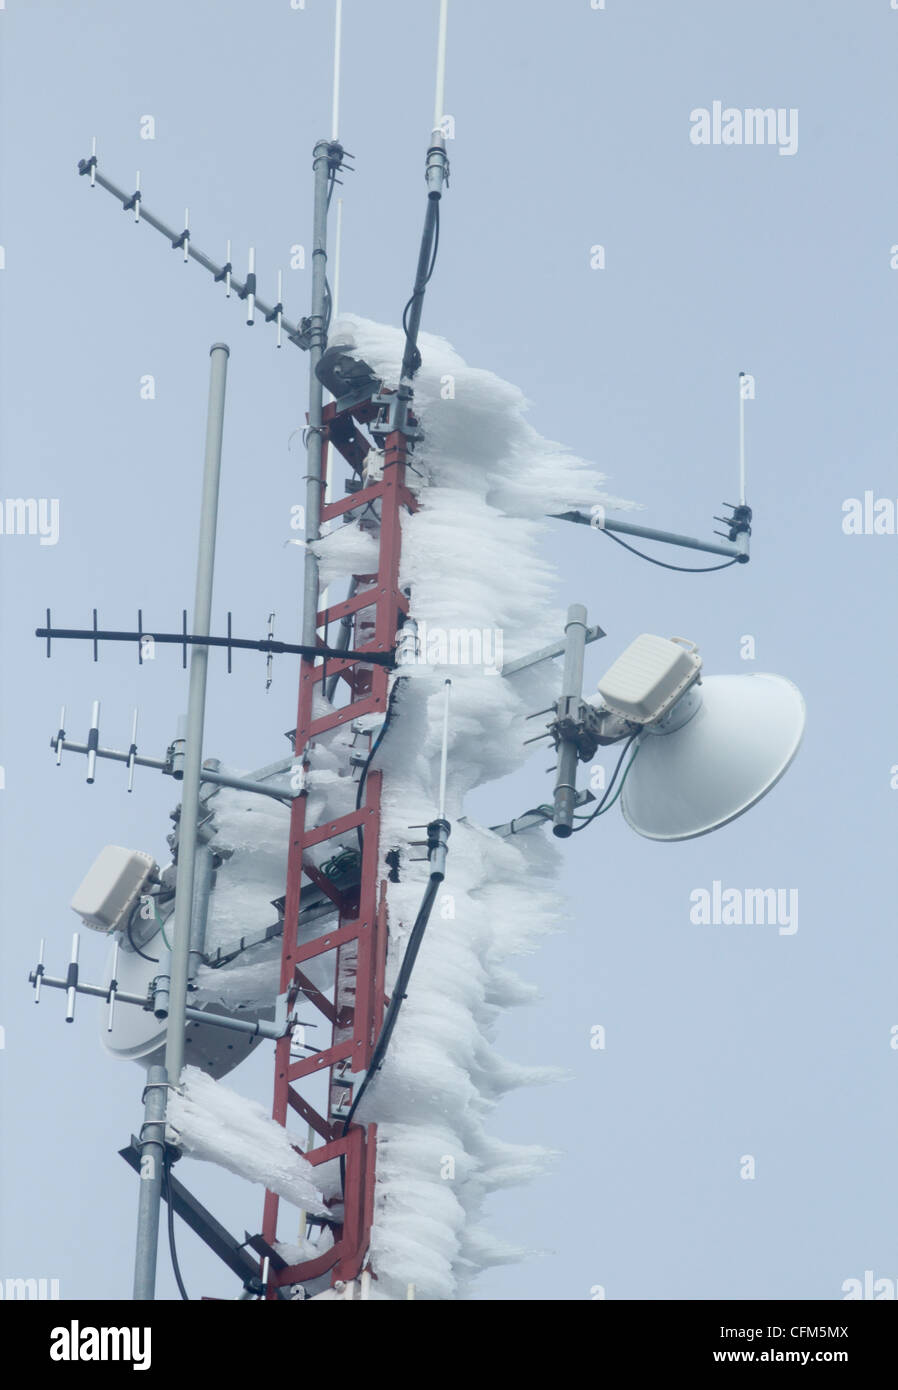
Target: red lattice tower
[360, 936]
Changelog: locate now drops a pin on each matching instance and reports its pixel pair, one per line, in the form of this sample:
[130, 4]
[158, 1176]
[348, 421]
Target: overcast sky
[572, 131]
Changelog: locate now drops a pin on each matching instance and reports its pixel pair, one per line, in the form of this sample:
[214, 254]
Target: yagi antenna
[92, 748]
[297, 333]
[184, 639]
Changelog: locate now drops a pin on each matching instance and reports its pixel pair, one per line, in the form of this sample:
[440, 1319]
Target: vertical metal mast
[196, 714]
[152, 1152]
[149, 1200]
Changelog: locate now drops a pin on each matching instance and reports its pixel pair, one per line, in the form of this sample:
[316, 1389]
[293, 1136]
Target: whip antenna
[436, 175]
[338, 41]
[741, 439]
[439, 98]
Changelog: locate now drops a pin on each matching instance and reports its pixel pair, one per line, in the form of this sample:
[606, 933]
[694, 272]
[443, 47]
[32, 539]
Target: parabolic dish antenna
[137, 1034]
[692, 777]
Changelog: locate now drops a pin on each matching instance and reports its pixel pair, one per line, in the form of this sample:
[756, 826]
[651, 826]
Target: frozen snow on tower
[484, 480]
[470, 556]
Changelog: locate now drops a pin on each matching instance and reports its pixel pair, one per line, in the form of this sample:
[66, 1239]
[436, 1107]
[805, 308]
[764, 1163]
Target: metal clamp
[395, 414]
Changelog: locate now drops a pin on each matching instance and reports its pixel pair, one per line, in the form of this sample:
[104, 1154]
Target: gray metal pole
[196, 711]
[156, 1095]
[571, 695]
[732, 548]
[314, 445]
[152, 1158]
[737, 549]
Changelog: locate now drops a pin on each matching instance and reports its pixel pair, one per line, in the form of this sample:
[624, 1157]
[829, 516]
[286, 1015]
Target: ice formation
[485, 480]
[213, 1122]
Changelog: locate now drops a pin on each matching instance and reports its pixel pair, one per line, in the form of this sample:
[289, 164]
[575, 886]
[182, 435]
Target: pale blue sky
[572, 129]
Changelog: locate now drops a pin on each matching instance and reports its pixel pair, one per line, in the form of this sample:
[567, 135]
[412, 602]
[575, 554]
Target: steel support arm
[735, 550]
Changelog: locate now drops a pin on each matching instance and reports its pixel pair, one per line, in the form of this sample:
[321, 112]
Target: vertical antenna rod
[741, 440]
[338, 39]
[436, 171]
[440, 94]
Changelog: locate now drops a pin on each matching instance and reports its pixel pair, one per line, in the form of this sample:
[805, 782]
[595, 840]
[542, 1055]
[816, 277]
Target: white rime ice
[480, 594]
[213, 1122]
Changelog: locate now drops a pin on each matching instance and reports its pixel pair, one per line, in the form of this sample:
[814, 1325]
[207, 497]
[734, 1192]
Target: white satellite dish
[138, 1035]
[721, 747]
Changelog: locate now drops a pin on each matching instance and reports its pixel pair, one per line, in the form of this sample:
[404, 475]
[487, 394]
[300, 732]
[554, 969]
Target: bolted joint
[436, 168]
[438, 832]
[335, 153]
[740, 521]
[576, 723]
[738, 528]
[587, 727]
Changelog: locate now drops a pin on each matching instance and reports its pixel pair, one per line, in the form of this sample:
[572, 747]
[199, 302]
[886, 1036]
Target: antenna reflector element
[723, 748]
